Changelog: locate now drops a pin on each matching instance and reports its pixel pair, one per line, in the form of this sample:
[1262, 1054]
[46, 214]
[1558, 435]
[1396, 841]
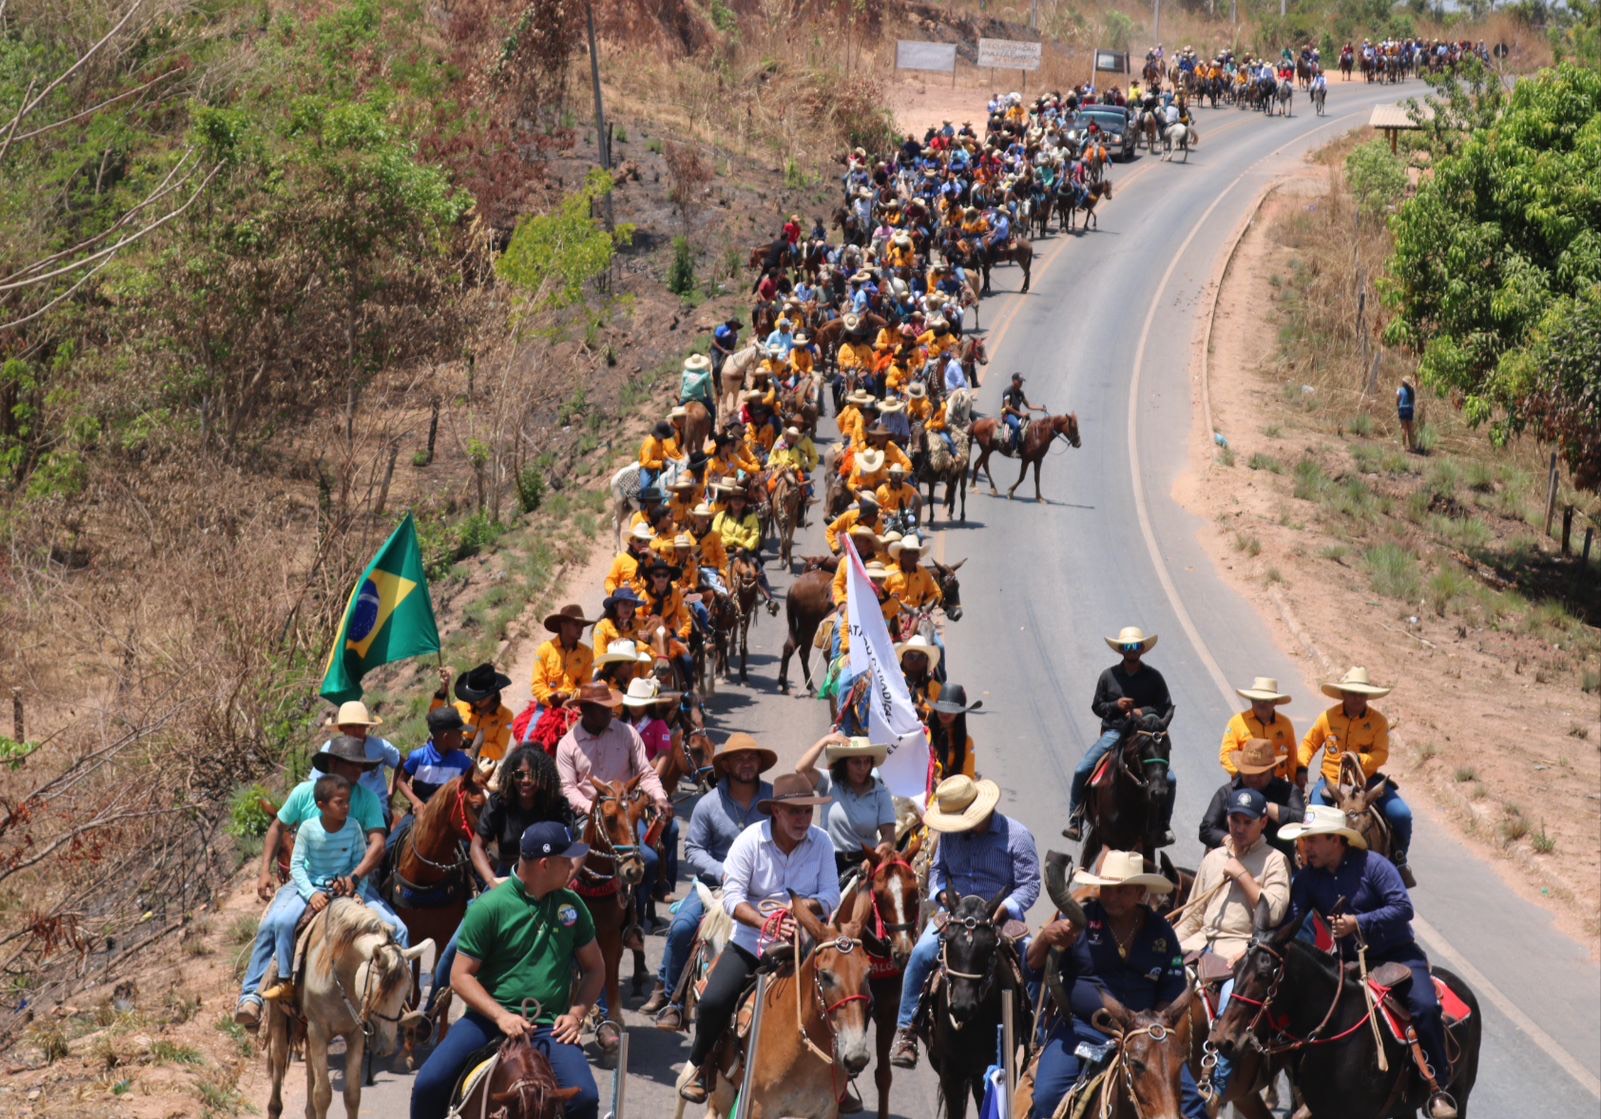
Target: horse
[690, 759]
[1291, 997]
[625, 483]
[828, 994]
[1123, 813]
[788, 496]
[807, 602]
[731, 380]
[355, 982]
[1346, 61]
[973, 354]
[976, 972]
[745, 572]
[1087, 202]
[1320, 97]
[607, 879]
[1180, 136]
[1037, 439]
[518, 1083]
[884, 897]
[1018, 251]
[427, 876]
[941, 465]
[1360, 803]
[1305, 68]
[1145, 127]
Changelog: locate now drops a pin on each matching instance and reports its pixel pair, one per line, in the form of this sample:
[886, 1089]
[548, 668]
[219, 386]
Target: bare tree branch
[123, 96]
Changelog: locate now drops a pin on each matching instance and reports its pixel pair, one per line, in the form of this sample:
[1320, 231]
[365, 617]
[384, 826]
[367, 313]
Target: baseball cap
[548, 838]
[1249, 803]
[443, 719]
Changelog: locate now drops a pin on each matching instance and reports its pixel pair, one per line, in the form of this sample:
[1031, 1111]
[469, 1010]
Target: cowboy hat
[621, 596]
[679, 412]
[961, 803]
[354, 713]
[862, 533]
[859, 747]
[851, 321]
[871, 461]
[897, 468]
[741, 743]
[702, 510]
[596, 693]
[861, 398]
[866, 498]
[1131, 635]
[953, 701]
[1264, 688]
[1126, 868]
[642, 533]
[645, 691]
[659, 566]
[801, 339]
[917, 390]
[877, 572]
[683, 540]
[683, 485]
[1323, 819]
[792, 432]
[861, 277]
[1256, 756]
[792, 790]
[344, 748]
[1356, 682]
[917, 643]
[890, 407]
[697, 362]
[573, 613]
[625, 651]
[909, 543]
[480, 683]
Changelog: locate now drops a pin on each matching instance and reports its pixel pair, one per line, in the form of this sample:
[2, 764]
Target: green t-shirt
[301, 805]
[526, 946]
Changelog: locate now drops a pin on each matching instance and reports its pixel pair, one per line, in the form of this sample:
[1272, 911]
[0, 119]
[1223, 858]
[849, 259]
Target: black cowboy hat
[660, 566]
[953, 701]
[652, 493]
[344, 748]
[477, 684]
[622, 595]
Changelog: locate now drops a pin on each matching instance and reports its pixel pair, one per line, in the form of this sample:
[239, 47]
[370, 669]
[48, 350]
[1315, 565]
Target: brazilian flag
[390, 616]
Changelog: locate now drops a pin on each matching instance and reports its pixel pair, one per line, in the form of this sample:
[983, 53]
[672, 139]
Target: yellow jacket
[835, 532]
[854, 355]
[900, 373]
[915, 588]
[624, 573]
[860, 479]
[801, 361]
[802, 457]
[496, 727]
[730, 462]
[936, 344]
[898, 257]
[654, 452]
[711, 553]
[889, 608]
[678, 508]
[561, 670]
[745, 534]
[1246, 726]
[1368, 737]
[893, 499]
[920, 410]
[606, 631]
[941, 419]
[759, 439]
[672, 611]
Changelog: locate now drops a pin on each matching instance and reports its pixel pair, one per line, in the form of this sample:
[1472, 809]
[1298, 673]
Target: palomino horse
[736, 367]
[356, 979]
[610, 874]
[517, 1084]
[427, 877]
[1291, 997]
[885, 898]
[814, 1029]
[977, 971]
[1038, 437]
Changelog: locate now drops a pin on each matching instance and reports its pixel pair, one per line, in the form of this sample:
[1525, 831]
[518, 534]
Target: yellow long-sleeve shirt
[894, 499]
[496, 728]
[835, 532]
[802, 457]
[607, 631]
[867, 480]
[745, 533]
[710, 551]
[561, 670]
[915, 588]
[672, 611]
[889, 608]
[920, 409]
[1246, 726]
[1336, 735]
[624, 572]
[654, 452]
[854, 355]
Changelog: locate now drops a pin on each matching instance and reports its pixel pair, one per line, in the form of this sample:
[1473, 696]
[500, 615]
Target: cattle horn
[1058, 878]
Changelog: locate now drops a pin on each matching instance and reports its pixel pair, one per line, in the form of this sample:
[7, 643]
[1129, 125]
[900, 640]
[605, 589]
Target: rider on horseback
[1014, 410]
[1128, 693]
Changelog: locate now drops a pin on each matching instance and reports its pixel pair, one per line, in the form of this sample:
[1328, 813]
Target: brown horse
[1093, 194]
[690, 759]
[427, 876]
[787, 497]
[828, 337]
[610, 873]
[1017, 251]
[885, 898]
[1038, 437]
[746, 576]
[808, 601]
[520, 1084]
[1360, 803]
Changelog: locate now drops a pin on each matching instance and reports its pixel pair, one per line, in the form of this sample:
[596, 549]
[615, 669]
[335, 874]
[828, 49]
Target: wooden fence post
[1551, 495]
[18, 730]
[1567, 528]
[1589, 534]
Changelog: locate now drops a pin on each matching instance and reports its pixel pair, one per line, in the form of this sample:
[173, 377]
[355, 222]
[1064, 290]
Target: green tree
[1377, 178]
[1497, 262]
[554, 255]
[1579, 40]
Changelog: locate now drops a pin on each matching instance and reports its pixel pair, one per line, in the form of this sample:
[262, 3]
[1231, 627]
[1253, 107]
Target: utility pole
[1156, 20]
[602, 136]
[1034, 15]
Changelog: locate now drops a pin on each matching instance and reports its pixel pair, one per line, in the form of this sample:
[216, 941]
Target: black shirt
[1013, 397]
[1215, 823]
[1146, 688]
[503, 821]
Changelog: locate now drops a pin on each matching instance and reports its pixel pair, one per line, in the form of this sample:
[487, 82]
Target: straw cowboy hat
[1126, 868]
[891, 407]
[683, 540]
[961, 803]
[1323, 819]
[642, 533]
[852, 321]
[679, 412]
[917, 390]
[702, 510]
[697, 362]
[866, 500]
[918, 644]
[791, 790]
[1356, 682]
[354, 713]
[1266, 689]
[871, 461]
[1131, 635]
[686, 484]
[877, 572]
[1256, 756]
[858, 747]
[596, 693]
[572, 613]
[908, 543]
[861, 398]
[741, 743]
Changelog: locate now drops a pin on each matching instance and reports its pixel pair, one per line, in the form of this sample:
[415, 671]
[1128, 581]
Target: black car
[1116, 129]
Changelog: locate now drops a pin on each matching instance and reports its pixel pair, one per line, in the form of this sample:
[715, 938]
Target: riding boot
[1075, 825]
[697, 1086]
[903, 1050]
[1407, 878]
[657, 1000]
[1164, 816]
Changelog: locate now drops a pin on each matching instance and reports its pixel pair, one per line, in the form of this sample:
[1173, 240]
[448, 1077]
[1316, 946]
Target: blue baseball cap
[1249, 803]
[548, 838]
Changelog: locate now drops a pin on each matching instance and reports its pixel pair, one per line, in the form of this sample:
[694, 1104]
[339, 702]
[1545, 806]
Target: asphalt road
[1107, 332]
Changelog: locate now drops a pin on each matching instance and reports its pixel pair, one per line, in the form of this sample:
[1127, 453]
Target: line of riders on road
[538, 844]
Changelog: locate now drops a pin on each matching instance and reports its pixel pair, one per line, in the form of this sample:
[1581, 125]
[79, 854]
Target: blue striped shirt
[321, 856]
[1000, 859]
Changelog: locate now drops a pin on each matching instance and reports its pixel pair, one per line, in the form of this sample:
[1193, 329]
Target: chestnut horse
[808, 601]
[610, 873]
[519, 1084]
[989, 433]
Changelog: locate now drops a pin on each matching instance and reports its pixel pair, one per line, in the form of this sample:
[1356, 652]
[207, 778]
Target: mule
[936, 464]
[1038, 438]
[355, 981]
[607, 879]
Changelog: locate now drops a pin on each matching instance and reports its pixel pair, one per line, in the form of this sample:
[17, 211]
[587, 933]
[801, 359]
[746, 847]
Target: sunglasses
[1133, 647]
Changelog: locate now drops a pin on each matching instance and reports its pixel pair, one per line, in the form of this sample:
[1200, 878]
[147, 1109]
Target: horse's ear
[870, 856]
[1262, 917]
[1376, 793]
[957, 566]
[913, 846]
[633, 782]
[1114, 1014]
[1179, 1008]
[806, 917]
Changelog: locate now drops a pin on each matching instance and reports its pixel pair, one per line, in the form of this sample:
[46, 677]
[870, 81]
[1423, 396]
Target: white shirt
[955, 375]
[756, 871]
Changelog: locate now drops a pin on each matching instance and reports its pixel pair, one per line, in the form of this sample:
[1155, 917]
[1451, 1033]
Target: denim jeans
[1014, 425]
[278, 928]
[680, 938]
[430, 1093]
[919, 967]
[1396, 812]
[1086, 766]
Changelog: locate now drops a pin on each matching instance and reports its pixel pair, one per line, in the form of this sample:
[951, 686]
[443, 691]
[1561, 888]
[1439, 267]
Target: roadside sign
[1008, 54]
[914, 54]
[1115, 62]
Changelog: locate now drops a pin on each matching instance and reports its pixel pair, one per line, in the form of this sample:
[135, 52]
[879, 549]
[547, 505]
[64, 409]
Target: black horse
[979, 971]
[1125, 812]
[1292, 998]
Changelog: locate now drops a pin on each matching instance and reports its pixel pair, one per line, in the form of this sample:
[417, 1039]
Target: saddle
[1105, 770]
[729, 1051]
[1389, 982]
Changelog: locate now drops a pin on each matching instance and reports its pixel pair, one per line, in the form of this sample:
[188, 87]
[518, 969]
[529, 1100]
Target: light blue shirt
[1001, 858]
[756, 871]
[717, 822]
[320, 856]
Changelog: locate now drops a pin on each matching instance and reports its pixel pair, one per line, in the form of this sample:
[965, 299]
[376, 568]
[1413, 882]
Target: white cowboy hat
[916, 390]
[697, 362]
[918, 644]
[642, 533]
[644, 691]
[860, 747]
[851, 320]
[891, 406]
[1265, 688]
[1356, 682]
[961, 803]
[1130, 635]
[702, 510]
[354, 713]
[871, 461]
[1323, 819]
[877, 572]
[678, 413]
[909, 543]
[624, 652]
[683, 540]
[1126, 868]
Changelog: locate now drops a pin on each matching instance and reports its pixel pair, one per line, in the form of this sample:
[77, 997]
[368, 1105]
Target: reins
[844, 945]
[1315, 1036]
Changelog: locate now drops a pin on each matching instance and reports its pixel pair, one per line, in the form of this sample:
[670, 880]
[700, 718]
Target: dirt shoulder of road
[1494, 707]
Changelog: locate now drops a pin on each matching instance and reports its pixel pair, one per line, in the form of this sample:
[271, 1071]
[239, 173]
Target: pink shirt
[616, 754]
[658, 739]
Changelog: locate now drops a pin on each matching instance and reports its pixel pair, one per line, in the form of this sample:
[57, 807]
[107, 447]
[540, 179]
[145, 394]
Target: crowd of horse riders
[534, 848]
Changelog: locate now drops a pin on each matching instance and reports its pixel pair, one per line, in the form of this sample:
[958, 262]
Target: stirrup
[1447, 1108]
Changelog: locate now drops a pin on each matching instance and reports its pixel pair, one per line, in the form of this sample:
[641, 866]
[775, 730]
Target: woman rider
[1126, 951]
[645, 708]
[862, 813]
[947, 733]
[619, 622]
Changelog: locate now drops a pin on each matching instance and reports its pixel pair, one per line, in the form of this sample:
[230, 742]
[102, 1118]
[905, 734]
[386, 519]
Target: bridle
[842, 944]
[460, 826]
[601, 845]
[886, 926]
[1265, 1004]
[368, 1011]
[970, 925]
[1140, 741]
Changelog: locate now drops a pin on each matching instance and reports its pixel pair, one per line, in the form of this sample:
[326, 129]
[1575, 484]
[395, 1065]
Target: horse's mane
[347, 921]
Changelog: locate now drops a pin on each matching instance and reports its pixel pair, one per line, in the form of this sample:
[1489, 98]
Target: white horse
[1180, 136]
[625, 487]
[736, 370]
